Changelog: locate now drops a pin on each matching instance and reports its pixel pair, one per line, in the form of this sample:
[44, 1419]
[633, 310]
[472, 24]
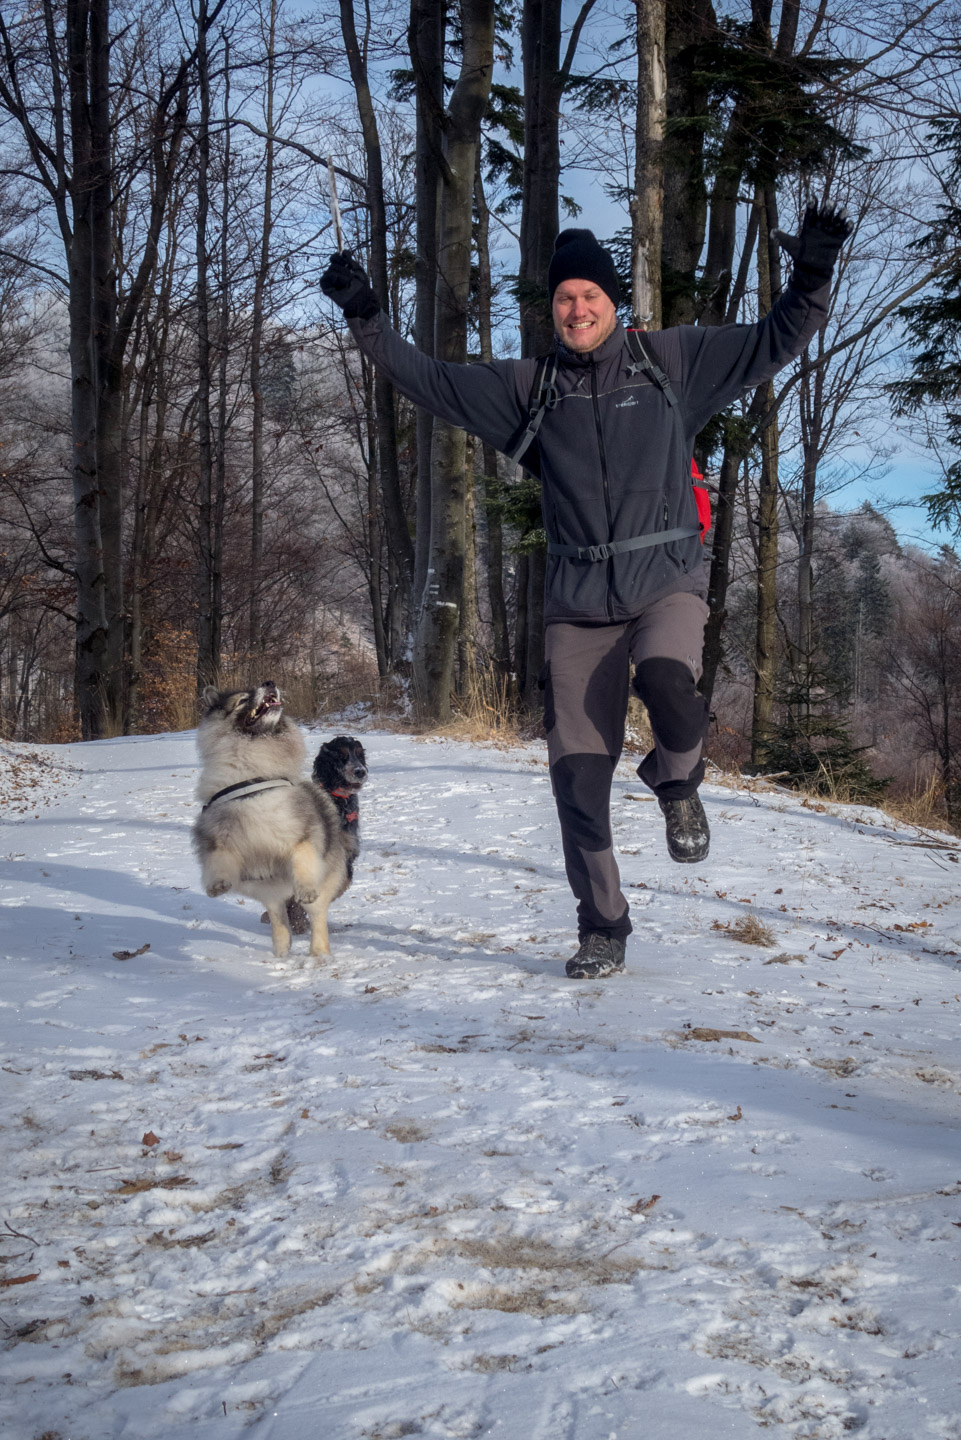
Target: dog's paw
[308, 896]
[317, 954]
[218, 887]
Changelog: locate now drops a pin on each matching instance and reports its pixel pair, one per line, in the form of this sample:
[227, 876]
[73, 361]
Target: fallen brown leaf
[640, 1206]
[130, 954]
[19, 1279]
[705, 1032]
[136, 1187]
[150, 1139]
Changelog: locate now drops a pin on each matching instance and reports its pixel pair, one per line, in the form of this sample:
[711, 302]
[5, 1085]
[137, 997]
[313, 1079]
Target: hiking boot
[688, 833]
[597, 956]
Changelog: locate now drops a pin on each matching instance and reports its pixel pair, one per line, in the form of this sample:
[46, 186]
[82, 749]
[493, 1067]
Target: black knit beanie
[578, 256]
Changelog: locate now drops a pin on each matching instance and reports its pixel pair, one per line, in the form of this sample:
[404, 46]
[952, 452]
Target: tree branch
[573, 39]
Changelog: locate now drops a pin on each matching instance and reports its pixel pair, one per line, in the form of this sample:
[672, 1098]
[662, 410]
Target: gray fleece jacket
[612, 461]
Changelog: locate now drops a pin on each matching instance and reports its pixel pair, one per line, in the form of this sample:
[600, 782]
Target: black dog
[341, 769]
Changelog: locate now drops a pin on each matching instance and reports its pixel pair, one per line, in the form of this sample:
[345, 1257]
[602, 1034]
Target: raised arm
[719, 362]
[479, 398]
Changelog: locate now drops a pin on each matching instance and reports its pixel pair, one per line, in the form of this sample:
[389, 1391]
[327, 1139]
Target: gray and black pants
[587, 679]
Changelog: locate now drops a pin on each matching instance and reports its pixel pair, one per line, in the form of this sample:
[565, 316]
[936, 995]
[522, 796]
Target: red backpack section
[702, 499]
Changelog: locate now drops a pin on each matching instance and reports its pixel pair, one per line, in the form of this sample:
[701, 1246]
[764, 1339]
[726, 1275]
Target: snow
[432, 1187]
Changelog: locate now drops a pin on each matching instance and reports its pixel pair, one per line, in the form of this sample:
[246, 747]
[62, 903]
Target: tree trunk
[438, 618]
[541, 44]
[92, 682]
[398, 533]
[426, 43]
[520, 623]
[500, 644]
[688, 23]
[374, 547]
[138, 551]
[736, 449]
[722, 536]
[468, 639]
[107, 365]
[765, 660]
[647, 202]
[811, 401]
[535, 623]
[207, 661]
[255, 643]
[545, 76]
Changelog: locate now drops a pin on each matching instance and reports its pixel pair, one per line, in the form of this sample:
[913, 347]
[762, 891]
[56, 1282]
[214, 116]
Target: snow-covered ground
[432, 1187]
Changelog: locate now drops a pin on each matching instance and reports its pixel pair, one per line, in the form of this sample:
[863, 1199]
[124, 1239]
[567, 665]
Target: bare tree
[438, 618]
[56, 87]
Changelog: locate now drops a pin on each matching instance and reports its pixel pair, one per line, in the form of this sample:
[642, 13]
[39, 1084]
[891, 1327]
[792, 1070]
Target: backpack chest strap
[620, 547]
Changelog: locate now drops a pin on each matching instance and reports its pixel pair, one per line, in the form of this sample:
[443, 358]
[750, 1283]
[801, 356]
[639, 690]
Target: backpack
[543, 397]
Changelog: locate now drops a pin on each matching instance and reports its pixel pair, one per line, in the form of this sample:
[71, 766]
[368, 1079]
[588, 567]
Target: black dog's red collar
[349, 815]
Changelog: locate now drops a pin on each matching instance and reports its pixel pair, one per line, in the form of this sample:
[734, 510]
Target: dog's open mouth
[269, 703]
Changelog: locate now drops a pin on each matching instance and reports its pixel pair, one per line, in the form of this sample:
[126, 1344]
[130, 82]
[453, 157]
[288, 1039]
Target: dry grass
[485, 711]
[922, 805]
[749, 929]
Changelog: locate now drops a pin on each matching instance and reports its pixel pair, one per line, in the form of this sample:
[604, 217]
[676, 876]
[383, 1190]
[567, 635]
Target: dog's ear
[210, 697]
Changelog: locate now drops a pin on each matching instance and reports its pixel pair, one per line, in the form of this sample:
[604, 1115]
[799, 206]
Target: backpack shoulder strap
[542, 397]
[645, 361]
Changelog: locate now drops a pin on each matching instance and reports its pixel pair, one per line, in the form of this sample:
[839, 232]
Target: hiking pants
[586, 682]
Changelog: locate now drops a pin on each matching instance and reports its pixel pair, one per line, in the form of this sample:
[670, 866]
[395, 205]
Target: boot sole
[582, 973]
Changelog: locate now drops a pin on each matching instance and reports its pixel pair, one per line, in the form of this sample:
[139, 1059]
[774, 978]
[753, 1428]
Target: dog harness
[244, 789]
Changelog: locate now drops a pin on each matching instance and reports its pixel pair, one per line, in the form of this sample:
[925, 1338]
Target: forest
[203, 480]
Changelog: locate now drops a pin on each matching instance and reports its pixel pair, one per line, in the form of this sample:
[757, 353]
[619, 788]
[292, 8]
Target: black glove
[815, 250]
[346, 283]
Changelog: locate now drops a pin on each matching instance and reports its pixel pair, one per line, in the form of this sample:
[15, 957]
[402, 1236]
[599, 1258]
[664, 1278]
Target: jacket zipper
[607, 488]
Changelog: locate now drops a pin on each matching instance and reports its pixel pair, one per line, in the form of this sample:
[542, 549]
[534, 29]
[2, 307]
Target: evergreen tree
[934, 325]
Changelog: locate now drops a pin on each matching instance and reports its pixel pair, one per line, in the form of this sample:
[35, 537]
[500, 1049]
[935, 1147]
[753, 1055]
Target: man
[625, 573]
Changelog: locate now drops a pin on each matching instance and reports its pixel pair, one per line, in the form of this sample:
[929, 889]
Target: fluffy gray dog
[263, 830]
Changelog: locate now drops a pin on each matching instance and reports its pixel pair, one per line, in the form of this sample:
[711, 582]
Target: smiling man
[625, 584]
[584, 315]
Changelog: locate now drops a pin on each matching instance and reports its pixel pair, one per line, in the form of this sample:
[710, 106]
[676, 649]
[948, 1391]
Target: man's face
[584, 314]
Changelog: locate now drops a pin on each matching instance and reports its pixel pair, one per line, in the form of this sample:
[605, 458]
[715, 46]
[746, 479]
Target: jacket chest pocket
[639, 440]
